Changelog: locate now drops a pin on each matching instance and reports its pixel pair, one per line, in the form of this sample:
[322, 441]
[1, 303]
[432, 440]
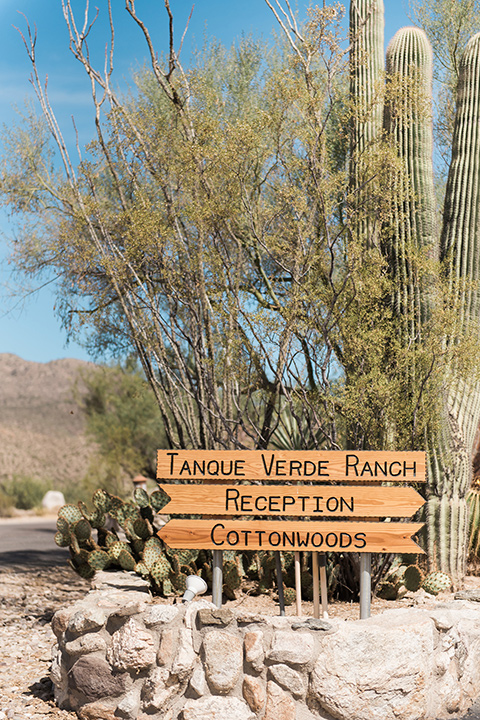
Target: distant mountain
[42, 428]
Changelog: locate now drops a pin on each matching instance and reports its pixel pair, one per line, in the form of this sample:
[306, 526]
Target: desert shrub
[6, 506]
[24, 492]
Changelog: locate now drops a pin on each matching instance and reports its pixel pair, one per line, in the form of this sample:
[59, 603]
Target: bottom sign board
[291, 535]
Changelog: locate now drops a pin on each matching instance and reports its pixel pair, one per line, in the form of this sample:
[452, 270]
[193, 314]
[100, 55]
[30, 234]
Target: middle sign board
[292, 500]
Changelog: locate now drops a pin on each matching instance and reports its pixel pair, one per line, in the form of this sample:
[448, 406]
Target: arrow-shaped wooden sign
[291, 535]
[292, 500]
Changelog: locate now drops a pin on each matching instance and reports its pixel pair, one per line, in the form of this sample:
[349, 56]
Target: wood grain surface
[306, 465]
[291, 535]
[292, 500]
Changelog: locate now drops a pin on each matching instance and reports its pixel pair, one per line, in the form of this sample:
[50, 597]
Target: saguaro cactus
[413, 234]
[408, 125]
[450, 472]
[366, 73]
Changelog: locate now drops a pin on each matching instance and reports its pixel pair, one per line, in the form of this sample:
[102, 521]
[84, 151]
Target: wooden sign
[292, 500]
[291, 535]
[305, 465]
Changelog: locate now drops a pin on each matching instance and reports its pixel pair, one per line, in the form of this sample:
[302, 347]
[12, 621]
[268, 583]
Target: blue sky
[28, 326]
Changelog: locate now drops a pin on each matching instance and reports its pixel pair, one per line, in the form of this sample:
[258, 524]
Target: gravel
[28, 599]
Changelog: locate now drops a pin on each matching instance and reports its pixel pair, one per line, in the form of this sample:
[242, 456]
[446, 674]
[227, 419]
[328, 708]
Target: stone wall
[120, 654]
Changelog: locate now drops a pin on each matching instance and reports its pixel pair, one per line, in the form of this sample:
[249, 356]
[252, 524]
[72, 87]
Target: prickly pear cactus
[436, 582]
[132, 546]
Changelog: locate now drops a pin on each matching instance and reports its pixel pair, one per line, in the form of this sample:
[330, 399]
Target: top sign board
[322, 466]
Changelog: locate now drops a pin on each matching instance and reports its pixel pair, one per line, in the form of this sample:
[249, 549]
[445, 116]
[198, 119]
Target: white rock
[198, 682]
[217, 708]
[91, 642]
[156, 692]
[59, 677]
[160, 614]
[254, 652]
[192, 608]
[129, 706]
[292, 648]
[223, 659]
[289, 679]
[52, 500]
[377, 669]
[185, 656]
[121, 580]
[122, 602]
[132, 648]
[87, 618]
[280, 705]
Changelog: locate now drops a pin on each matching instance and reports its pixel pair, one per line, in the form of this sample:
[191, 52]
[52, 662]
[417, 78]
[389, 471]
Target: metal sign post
[217, 578]
[365, 584]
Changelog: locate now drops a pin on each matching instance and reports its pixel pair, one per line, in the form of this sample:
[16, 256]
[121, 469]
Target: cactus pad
[141, 497]
[70, 513]
[413, 578]
[82, 529]
[436, 582]
[98, 560]
[158, 500]
[62, 539]
[289, 595]
[126, 560]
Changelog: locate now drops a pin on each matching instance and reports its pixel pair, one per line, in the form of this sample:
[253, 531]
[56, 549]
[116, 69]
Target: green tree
[238, 225]
[207, 229]
[124, 420]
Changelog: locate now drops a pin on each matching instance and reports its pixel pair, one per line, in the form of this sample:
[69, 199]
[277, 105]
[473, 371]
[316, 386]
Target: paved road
[29, 541]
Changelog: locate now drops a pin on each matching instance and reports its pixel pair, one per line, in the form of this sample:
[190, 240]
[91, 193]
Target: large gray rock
[160, 615]
[217, 708]
[87, 617]
[89, 643]
[185, 656]
[122, 603]
[377, 669]
[130, 704]
[223, 659]
[176, 651]
[121, 579]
